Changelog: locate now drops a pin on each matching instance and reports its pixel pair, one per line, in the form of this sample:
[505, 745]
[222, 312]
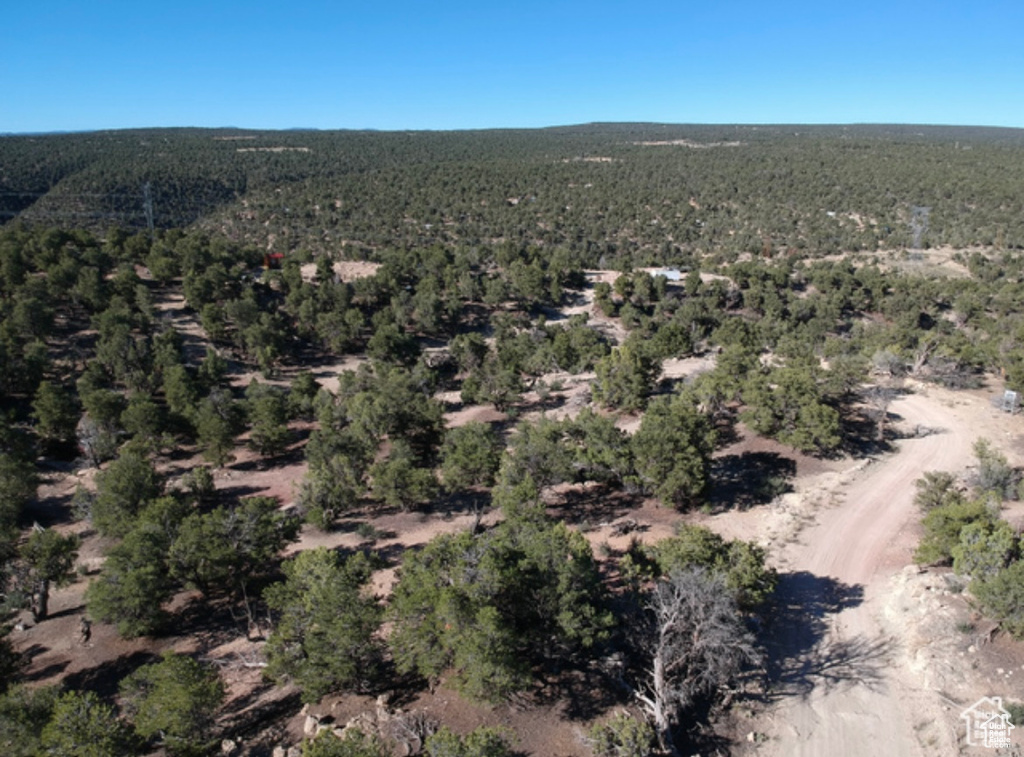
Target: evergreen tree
[491, 605]
[325, 635]
[672, 449]
[625, 378]
[54, 412]
[174, 701]
[50, 558]
[470, 456]
[268, 417]
[82, 725]
[123, 490]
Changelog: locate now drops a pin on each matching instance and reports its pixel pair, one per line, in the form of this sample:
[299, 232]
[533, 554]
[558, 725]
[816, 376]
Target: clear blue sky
[439, 64]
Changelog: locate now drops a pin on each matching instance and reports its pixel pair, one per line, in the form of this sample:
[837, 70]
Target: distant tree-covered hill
[611, 193]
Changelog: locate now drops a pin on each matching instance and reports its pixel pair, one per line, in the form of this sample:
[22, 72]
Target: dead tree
[696, 642]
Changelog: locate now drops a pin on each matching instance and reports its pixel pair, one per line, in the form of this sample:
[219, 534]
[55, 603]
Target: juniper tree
[324, 637]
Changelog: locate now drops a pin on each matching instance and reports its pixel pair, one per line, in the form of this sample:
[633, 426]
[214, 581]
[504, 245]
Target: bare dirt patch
[856, 648]
[345, 270]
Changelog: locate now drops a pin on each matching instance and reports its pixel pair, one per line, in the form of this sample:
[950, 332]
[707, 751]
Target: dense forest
[794, 248]
[622, 194]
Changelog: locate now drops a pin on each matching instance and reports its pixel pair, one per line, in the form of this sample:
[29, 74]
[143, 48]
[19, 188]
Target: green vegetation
[740, 563]
[755, 190]
[672, 449]
[964, 528]
[493, 605]
[481, 742]
[324, 638]
[175, 702]
[622, 736]
[354, 743]
[802, 283]
[82, 725]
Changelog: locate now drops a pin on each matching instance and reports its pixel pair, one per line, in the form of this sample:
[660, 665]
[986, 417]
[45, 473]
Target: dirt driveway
[841, 685]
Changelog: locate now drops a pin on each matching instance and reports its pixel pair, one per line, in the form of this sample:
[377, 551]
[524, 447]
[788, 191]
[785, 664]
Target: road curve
[835, 671]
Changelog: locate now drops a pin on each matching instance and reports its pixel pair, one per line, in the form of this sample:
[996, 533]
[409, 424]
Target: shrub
[622, 736]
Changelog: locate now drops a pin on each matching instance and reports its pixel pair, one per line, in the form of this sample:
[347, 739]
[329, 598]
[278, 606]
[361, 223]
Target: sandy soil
[846, 659]
[346, 270]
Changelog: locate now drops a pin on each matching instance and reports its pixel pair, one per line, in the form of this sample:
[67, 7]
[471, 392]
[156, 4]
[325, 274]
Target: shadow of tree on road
[801, 654]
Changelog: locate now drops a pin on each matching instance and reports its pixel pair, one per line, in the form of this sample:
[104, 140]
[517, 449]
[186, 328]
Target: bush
[622, 736]
[1016, 710]
[936, 488]
[82, 725]
[482, 742]
[994, 473]
[740, 563]
[942, 527]
[24, 713]
[985, 548]
[1002, 598]
[354, 743]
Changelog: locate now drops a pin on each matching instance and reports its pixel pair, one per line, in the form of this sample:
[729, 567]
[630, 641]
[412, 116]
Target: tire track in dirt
[844, 691]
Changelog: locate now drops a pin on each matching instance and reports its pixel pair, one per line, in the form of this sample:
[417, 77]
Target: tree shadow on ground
[388, 555]
[57, 510]
[249, 720]
[698, 734]
[48, 671]
[234, 708]
[582, 692]
[104, 679]
[593, 504]
[466, 502]
[801, 654]
[859, 432]
[212, 622]
[549, 400]
[750, 478]
[230, 494]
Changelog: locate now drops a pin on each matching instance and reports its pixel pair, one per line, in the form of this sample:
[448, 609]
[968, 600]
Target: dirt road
[841, 688]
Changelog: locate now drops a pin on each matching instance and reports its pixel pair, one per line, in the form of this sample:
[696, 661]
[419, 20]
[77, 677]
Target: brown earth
[865, 655]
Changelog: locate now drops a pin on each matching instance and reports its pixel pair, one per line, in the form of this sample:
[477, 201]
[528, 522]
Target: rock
[972, 649]
[295, 751]
[310, 727]
[279, 751]
[228, 747]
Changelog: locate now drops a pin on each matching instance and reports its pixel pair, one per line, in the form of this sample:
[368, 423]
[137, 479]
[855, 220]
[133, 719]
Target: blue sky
[97, 64]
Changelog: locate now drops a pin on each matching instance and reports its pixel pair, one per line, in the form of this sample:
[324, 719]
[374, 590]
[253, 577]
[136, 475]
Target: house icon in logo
[988, 723]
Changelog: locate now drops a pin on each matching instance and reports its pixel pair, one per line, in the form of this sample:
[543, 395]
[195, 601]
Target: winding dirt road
[841, 687]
